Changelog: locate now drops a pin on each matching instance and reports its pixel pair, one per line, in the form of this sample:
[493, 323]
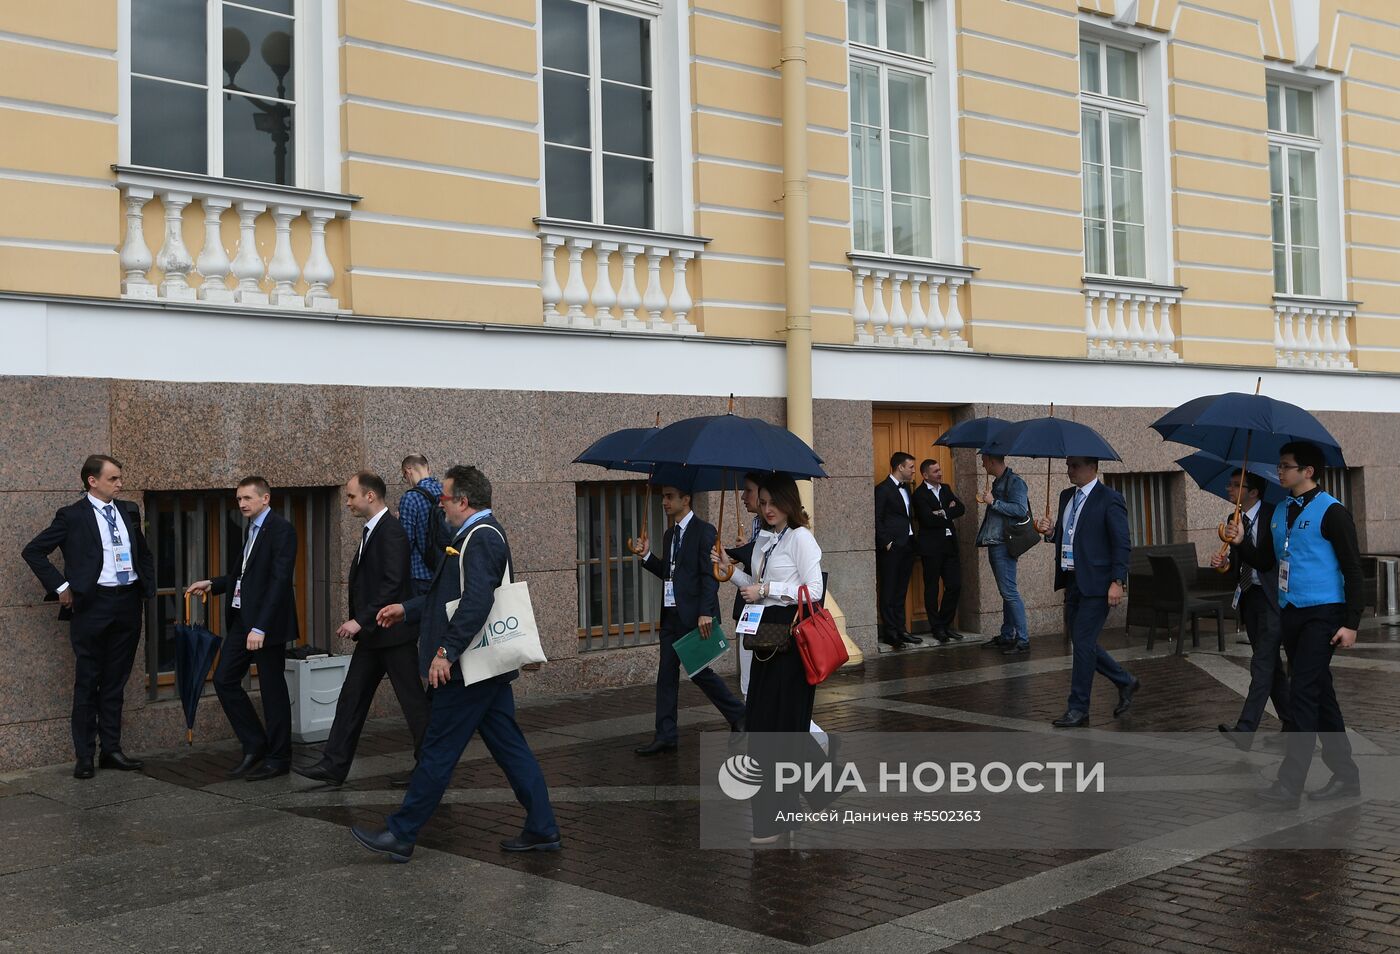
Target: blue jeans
[458, 711]
[1013, 611]
[1084, 617]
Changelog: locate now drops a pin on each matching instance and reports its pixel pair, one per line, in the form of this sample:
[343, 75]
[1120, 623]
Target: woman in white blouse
[780, 698]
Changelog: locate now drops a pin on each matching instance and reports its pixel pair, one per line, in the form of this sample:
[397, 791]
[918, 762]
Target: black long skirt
[780, 700]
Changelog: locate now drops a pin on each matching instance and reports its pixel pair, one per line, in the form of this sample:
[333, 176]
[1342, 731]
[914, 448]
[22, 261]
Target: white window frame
[1331, 240]
[316, 92]
[672, 200]
[1151, 111]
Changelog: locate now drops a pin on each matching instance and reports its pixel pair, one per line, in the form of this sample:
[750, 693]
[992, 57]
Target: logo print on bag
[740, 777]
[501, 631]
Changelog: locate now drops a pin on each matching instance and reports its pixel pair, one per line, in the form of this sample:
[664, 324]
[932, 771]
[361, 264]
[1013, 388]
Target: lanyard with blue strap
[1067, 544]
[121, 555]
[1283, 559]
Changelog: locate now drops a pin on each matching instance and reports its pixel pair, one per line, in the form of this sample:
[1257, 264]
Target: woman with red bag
[780, 697]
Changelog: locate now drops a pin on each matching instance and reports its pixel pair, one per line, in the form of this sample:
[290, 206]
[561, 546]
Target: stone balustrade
[901, 303]
[1310, 333]
[617, 279]
[222, 276]
[1131, 321]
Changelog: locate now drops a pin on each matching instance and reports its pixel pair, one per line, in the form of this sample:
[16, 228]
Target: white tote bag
[510, 639]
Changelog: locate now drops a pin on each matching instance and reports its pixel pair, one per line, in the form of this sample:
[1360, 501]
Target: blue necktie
[123, 577]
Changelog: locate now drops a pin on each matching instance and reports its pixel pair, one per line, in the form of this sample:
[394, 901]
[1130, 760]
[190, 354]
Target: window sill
[244, 190]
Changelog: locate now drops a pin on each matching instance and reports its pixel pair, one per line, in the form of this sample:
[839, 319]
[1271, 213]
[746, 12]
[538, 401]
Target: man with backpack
[422, 520]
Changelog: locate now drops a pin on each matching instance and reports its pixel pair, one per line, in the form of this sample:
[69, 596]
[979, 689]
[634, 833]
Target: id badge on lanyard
[121, 559]
[1067, 556]
[749, 619]
[668, 593]
[1283, 563]
[237, 601]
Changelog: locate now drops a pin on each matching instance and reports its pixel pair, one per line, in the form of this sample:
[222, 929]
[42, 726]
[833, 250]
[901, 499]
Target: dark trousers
[779, 719]
[367, 668]
[457, 713]
[275, 742]
[1084, 618]
[1268, 677]
[1307, 638]
[105, 635]
[894, 567]
[668, 684]
[941, 565]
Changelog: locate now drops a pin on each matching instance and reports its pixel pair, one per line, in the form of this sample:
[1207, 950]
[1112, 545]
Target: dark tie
[1246, 572]
[364, 538]
[110, 512]
[675, 548]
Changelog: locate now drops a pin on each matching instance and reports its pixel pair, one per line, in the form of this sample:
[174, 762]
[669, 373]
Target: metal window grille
[1337, 482]
[1149, 506]
[619, 602]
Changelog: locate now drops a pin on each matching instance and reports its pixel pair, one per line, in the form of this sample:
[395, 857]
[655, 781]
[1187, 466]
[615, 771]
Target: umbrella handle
[721, 573]
[203, 598]
[640, 545]
[1224, 555]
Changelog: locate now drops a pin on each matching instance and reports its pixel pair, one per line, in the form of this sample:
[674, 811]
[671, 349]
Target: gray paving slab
[108, 788]
[681, 934]
[68, 939]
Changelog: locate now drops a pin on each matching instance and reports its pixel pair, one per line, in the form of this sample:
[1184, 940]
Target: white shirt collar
[895, 480]
[684, 522]
[1088, 488]
[373, 521]
[99, 504]
[934, 487]
[1253, 512]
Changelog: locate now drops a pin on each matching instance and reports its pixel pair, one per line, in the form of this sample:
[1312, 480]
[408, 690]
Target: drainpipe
[797, 254]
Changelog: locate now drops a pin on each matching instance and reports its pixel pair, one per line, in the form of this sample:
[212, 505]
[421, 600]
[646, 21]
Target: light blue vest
[1314, 575]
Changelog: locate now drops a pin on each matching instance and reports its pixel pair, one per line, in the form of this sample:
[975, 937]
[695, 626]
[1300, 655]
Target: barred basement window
[1149, 506]
[1337, 482]
[619, 602]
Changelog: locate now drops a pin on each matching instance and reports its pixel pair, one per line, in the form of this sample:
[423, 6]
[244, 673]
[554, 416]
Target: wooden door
[912, 430]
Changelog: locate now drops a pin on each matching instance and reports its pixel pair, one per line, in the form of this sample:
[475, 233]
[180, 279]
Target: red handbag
[818, 640]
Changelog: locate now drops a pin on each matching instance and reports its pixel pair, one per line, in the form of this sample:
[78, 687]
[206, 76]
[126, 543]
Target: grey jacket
[1012, 504]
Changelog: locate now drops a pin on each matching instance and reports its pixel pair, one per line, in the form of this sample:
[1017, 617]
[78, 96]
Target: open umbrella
[617, 451]
[976, 432]
[1212, 475]
[1053, 438]
[195, 649]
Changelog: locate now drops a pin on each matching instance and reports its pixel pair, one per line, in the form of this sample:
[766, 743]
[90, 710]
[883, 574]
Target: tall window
[1148, 497]
[891, 173]
[222, 108]
[619, 601]
[598, 154]
[1112, 113]
[1293, 162]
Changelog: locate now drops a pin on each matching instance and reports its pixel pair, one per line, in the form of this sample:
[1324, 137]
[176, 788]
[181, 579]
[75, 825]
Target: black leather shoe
[940, 634]
[1071, 720]
[1336, 788]
[890, 640]
[83, 769]
[910, 639]
[119, 761]
[1243, 739]
[1277, 798]
[952, 633]
[319, 773]
[268, 770]
[249, 763]
[382, 842]
[1017, 649]
[655, 747]
[996, 642]
[526, 842]
[400, 781]
[1125, 697]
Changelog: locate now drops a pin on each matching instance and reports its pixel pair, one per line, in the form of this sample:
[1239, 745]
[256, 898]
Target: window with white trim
[891, 89]
[599, 152]
[1295, 143]
[213, 88]
[1113, 112]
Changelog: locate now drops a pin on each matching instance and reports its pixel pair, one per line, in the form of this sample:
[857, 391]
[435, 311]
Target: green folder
[696, 653]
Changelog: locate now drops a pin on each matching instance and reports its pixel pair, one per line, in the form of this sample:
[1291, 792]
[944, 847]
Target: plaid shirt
[414, 512]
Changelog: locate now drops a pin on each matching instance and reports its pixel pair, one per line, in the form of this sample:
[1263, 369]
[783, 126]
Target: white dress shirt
[370, 524]
[787, 560]
[903, 495]
[1067, 530]
[108, 576]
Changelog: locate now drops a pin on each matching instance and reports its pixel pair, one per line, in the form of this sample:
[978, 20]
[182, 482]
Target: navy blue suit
[459, 711]
[1102, 548]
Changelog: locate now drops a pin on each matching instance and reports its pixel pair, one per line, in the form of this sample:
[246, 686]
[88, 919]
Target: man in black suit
[482, 560]
[1092, 549]
[894, 550]
[1256, 599]
[108, 570]
[262, 620]
[379, 576]
[935, 509]
[690, 599]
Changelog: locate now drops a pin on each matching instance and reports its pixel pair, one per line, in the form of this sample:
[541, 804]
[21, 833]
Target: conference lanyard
[763, 567]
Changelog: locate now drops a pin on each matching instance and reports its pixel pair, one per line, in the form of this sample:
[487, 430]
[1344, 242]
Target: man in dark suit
[1256, 599]
[379, 576]
[935, 509]
[1092, 548]
[480, 555]
[690, 599]
[894, 550]
[262, 620]
[107, 572]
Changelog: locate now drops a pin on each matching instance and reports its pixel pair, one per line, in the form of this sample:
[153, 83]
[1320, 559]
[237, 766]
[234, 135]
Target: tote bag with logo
[510, 639]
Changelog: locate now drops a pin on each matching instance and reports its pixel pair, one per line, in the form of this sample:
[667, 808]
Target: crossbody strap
[462, 558]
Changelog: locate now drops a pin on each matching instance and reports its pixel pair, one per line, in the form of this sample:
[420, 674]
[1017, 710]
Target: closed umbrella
[195, 649]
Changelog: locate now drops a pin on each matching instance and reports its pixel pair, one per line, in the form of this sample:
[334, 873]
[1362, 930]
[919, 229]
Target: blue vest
[1314, 575]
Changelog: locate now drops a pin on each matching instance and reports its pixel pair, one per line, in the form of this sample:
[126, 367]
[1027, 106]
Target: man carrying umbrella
[1312, 542]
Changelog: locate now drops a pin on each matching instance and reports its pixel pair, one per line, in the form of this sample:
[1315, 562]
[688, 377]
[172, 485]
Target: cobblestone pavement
[178, 858]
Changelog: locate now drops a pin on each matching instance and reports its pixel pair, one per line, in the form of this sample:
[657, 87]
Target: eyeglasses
[444, 498]
[1289, 467]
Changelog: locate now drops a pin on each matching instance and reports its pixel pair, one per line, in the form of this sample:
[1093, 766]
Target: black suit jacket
[892, 522]
[74, 531]
[378, 577]
[1268, 581]
[1103, 543]
[933, 539]
[268, 599]
[697, 590]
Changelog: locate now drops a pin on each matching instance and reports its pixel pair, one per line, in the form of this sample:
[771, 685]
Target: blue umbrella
[616, 451]
[1212, 475]
[195, 649]
[1050, 437]
[976, 432]
[1236, 426]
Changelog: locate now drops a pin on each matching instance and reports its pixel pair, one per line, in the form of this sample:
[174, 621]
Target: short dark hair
[1091, 461]
[683, 491]
[996, 457]
[926, 463]
[782, 490]
[92, 467]
[258, 483]
[1252, 481]
[371, 484]
[469, 484]
[898, 458]
[1306, 454]
[414, 460]
[755, 477]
